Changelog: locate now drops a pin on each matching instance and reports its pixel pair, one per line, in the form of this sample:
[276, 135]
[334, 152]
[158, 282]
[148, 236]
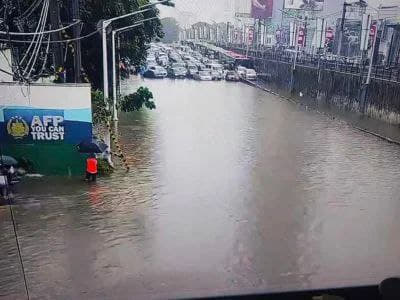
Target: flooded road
[231, 190]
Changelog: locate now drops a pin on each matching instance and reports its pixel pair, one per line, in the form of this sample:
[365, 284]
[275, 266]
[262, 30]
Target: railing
[332, 63]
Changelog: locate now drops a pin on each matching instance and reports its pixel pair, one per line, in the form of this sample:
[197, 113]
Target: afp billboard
[261, 9]
[38, 126]
[313, 5]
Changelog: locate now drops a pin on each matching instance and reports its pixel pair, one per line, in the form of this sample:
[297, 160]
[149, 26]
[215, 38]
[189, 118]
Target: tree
[171, 30]
[141, 98]
[24, 15]
[133, 43]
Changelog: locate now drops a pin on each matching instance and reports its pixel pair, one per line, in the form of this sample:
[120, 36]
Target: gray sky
[190, 11]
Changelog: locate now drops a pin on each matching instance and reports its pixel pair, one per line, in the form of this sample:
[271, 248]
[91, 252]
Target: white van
[217, 70]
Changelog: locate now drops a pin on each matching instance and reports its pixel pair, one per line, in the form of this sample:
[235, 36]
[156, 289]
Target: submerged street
[231, 190]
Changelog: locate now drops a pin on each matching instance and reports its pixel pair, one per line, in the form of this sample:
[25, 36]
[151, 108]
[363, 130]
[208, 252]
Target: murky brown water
[231, 191]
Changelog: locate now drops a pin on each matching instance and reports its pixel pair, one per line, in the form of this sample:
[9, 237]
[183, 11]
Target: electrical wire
[30, 10]
[21, 19]
[43, 32]
[36, 50]
[6, 72]
[39, 44]
[61, 41]
[33, 39]
[45, 59]
[18, 71]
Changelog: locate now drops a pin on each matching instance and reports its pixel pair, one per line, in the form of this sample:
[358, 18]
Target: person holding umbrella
[92, 146]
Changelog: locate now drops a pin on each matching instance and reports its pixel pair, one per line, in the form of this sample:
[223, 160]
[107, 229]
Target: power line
[42, 32]
[52, 42]
[29, 11]
[37, 30]
[36, 50]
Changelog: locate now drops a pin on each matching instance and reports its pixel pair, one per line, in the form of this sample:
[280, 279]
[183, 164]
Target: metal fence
[353, 66]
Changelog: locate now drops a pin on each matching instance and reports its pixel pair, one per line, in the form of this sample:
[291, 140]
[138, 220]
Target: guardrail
[343, 65]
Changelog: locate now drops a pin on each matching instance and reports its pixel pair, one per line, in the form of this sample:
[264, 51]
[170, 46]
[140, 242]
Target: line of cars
[177, 61]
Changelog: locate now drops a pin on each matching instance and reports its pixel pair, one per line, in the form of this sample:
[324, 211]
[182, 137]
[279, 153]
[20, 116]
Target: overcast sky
[190, 11]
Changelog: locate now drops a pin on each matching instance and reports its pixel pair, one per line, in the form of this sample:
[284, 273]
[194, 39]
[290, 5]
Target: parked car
[250, 74]
[192, 70]
[217, 70]
[232, 76]
[205, 60]
[215, 75]
[155, 72]
[177, 72]
[163, 60]
[178, 65]
[203, 76]
[241, 71]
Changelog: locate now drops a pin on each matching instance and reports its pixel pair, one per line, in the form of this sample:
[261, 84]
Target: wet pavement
[232, 190]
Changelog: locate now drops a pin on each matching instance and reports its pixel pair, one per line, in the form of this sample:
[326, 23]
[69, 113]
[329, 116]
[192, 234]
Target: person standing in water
[91, 168]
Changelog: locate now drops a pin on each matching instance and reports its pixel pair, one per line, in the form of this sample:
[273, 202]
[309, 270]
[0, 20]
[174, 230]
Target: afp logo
[17, 128]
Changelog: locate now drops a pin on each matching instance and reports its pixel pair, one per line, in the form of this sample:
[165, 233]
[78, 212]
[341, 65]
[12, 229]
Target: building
[41, 124]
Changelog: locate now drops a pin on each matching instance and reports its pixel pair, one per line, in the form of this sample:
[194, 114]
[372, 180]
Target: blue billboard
[35, 126]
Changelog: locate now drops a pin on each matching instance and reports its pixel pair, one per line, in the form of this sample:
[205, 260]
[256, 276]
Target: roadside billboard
[261, 9]
[313, 5]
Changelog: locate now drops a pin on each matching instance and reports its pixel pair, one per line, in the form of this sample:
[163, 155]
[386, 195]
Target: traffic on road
[177, 61]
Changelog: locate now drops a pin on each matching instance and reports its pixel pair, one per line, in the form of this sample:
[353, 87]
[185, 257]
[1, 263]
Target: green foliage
[133, 42]
[100, 112]
[136, 101]
[104, 168]
[133, 102]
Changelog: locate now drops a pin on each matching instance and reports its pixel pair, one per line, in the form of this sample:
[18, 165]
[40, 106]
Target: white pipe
[115, 113]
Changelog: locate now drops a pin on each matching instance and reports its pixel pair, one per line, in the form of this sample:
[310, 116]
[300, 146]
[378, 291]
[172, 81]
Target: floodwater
[231, 190]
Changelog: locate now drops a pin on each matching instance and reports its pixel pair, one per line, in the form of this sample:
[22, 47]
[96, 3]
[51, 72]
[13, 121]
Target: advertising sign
[301, 36]
[351, 38]
[261, 9]
[313, 5]
[250, 37]
[34, 125]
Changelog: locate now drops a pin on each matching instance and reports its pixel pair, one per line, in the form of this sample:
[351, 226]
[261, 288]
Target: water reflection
[231, 190]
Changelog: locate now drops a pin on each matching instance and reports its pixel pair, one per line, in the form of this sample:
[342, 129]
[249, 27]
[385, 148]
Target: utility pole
[339, 48]
[77, 43]
[56, 36]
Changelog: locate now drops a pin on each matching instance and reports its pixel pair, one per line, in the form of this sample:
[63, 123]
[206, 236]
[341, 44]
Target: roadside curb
[387, 139]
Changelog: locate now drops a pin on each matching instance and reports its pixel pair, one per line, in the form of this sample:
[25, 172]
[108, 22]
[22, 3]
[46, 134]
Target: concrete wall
[46, 96]
[335, 89]
[41, 124]
[5, 64]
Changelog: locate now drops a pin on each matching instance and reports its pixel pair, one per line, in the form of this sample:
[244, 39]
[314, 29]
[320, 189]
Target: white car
[241, 71]
[250, 74]
[155, 72]
[203, 76]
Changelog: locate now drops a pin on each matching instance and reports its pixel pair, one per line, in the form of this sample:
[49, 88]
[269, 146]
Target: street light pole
[104, 26]
[115, 113]
[114, 66]
[342, 23]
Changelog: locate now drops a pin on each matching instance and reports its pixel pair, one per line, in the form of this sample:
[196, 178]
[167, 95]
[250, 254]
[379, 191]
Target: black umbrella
[8, 161]
[92, 146]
